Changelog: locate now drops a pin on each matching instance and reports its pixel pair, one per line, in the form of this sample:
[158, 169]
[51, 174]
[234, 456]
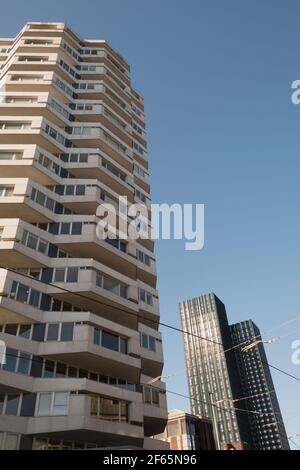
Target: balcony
[31, 130]
[84, 354]
[79, 425]
[29, 161]
[152, 359]
[42, 104]
[91, 111]
[90, 163]
[97, 137]
[155, 407]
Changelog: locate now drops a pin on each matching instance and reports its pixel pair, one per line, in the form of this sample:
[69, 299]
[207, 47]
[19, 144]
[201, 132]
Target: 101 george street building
[79, 315]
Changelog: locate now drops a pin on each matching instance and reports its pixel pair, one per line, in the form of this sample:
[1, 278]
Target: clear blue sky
[216, 77]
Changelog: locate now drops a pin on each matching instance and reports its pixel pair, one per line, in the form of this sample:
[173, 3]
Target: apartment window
[143, 258]
[11, 360]
[16, 99]
[24, 363]
[137, 111]
[24, 331]
[55, 134]
[109, 409]
[12, 405]
[6, 191]
[137, 128]
[34, 242]
[44, 404]
[141, 196]
[37, 42]
[59, 108]
[52, 404]
[148, 342]
[49, 369]
[65, 88]
[139, 170]
[113, 170]
[11, 156]
[146, 297]
[52, 332]
[14, 125]
[43, 200]
[2, 399]
[111, 285]
[138, 148]
[109, 340]
[60, 404]
[66, 332]
[147, 395]
[150, 395]
[32, 59]
[23, 78]
[65, 275]
[116, 243]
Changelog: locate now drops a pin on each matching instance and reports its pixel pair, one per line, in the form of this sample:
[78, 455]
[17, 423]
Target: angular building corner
[79, 315]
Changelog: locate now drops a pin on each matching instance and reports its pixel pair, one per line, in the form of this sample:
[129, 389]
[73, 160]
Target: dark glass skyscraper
[266, 428]
[218, 375]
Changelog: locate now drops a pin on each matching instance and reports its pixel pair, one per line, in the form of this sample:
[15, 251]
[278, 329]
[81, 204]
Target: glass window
[24, 331]
[38, 333]
[11, 359]
[61, 370]
[83, 374]
[155, 397]
[65, 229]
[123, 411]
[28, 404]
[52, 333]
[34, 298]
[32, 241]
[22, 293]
[36, 366]
[109, 409]
[59, 275]
[144, 341]
[72, 371]
[2, 396]
[97, 336]
[110, 341]
[123, 345]
[24, 363]
[152, 344]
[76, 228]
[11, 329]
[72, 275]
[111, 285]
[12, 405]
[49, 369]
[44, 404]
[147, 395]
[60, 405]
[67, 332]
[94, 406]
